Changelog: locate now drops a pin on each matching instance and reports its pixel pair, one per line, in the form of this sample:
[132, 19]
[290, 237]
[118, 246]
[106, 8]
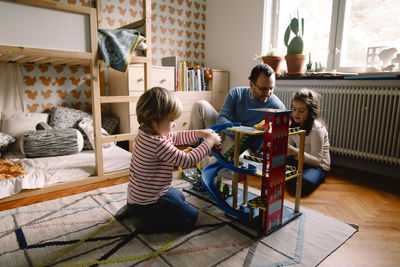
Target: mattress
[51, 170]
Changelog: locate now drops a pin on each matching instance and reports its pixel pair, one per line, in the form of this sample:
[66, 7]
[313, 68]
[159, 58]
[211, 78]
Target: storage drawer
[134, 125]
[182, 123]
[132, 105]
[160, 76]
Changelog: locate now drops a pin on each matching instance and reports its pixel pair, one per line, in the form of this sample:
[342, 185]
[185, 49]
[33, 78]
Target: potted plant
[295, 60]
[273, 59]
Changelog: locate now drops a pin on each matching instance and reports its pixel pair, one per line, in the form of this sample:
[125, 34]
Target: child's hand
[204, 133]
[213, 140]
[210, 137]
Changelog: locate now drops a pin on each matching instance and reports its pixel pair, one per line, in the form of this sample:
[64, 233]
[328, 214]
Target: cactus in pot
[296, 44]
[295, 60]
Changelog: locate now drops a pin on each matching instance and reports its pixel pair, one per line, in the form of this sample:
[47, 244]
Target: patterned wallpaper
[178, 26]
[178, 29]
[47, 86]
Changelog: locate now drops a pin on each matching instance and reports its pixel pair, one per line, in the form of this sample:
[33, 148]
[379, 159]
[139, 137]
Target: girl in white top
[305, 106]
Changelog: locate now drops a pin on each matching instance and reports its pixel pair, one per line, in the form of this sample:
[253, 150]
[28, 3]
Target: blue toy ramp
[207, 180]
[251, 169]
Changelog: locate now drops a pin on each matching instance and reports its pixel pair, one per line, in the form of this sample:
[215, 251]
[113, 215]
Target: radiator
[363, 118]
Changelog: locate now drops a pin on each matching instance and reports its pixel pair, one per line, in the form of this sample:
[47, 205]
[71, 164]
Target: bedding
[51, 170]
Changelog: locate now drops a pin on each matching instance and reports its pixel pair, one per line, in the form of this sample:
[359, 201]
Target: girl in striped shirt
[152, 200]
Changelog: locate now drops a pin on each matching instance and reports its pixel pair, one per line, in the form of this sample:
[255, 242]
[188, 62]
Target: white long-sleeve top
[153, 159]
[316, 149]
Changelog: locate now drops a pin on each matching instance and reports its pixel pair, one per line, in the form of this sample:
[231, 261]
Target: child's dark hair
[311, 99]
[156, 105]
[260, 68]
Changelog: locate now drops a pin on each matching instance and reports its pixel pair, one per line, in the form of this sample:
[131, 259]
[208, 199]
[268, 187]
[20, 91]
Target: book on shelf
[187, 78]
[193, 78]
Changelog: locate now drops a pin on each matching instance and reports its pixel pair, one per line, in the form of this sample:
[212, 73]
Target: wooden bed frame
[37, 55]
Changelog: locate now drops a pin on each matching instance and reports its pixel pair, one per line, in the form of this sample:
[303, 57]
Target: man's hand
[292, 151]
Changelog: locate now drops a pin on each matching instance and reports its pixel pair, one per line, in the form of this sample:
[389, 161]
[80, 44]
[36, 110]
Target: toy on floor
[265, 212]
[192, 175]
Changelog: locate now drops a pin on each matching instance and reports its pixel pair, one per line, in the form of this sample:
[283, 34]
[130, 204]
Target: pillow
[16, 123]
[5, 141]
[51, 143]
[43, 126]
[110, 124]
[86, 125]
[62, 117]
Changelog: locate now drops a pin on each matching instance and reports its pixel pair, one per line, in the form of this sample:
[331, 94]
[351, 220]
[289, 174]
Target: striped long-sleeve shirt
[152, 163]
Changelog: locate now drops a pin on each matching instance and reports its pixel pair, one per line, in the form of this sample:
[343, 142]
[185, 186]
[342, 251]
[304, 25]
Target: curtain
[11, 87]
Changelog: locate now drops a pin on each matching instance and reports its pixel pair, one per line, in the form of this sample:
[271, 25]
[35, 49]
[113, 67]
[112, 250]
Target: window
[344, 35]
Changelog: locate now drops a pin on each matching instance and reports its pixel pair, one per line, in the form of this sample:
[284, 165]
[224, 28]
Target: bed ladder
[145, 22]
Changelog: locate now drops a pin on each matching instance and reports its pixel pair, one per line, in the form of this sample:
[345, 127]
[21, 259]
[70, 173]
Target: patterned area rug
[80, 230]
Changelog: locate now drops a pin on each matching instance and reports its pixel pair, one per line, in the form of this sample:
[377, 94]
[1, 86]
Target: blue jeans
[170, 213]
[312, 178]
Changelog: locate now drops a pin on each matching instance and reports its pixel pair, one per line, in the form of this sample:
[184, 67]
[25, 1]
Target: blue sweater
[236, 106]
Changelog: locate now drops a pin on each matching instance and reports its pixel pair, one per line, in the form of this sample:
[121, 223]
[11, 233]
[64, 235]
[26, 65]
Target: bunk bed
[87, 166]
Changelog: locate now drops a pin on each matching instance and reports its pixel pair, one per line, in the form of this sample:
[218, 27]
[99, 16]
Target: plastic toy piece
[208, 175]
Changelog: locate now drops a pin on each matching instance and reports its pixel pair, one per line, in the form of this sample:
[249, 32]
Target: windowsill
[344, 76]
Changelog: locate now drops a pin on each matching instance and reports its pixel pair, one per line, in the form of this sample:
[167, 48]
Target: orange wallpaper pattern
[47, 86]
[178, 28]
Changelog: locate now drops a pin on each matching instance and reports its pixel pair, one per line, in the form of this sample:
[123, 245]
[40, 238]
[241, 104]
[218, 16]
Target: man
[237, 103]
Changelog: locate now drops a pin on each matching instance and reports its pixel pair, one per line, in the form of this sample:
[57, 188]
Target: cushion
[43, 126]
[16, 123]
[86, 125]
[110, 124]
[5, 141]
[51, 143]
[62, 117]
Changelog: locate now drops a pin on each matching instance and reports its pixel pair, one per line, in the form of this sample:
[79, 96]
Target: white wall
[35, 30]
[233, 36]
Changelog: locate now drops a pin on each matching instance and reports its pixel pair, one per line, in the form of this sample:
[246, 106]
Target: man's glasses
[264, 88]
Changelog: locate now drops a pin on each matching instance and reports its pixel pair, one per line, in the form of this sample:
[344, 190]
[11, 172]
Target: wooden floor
[370, 201]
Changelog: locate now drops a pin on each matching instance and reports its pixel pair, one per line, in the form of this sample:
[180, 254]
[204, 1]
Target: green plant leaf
[294, 25]
[287, 35]
[302, 26]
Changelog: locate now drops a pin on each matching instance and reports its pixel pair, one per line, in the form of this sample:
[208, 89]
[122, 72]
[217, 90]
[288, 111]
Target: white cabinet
[219, 86]
[132, 83]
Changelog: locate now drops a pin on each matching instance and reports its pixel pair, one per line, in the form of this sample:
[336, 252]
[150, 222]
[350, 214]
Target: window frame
[339, 12]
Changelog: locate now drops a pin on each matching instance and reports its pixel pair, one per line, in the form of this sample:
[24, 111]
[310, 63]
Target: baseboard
[366, 166]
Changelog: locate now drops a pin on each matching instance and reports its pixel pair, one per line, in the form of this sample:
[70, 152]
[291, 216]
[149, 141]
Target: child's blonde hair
[156, 105]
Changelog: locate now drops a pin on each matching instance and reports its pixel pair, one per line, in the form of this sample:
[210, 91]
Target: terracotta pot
[296, 64]
[274, 62]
